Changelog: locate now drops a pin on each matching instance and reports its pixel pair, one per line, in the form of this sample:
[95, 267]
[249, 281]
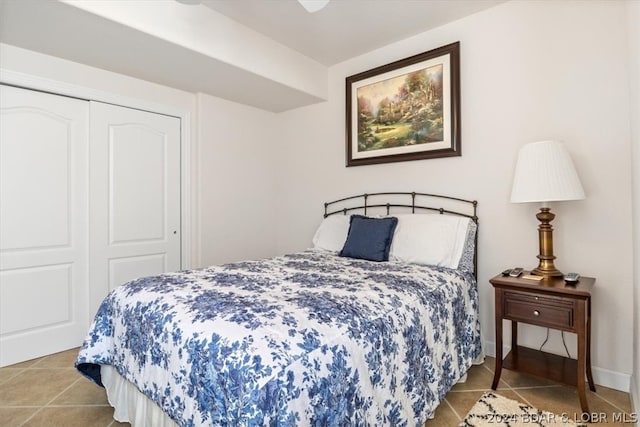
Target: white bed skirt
[129, 404]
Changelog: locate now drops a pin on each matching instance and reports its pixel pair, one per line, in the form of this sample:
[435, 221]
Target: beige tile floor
[49, 392]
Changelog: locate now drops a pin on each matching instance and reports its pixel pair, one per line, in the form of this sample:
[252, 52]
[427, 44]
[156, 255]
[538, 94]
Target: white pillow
[429, 239]
[332, 233]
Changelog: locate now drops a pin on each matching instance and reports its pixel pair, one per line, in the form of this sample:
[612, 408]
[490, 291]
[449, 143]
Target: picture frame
[406, 110]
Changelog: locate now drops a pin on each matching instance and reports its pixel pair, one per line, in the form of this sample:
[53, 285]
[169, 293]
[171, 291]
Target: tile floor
[49, 392]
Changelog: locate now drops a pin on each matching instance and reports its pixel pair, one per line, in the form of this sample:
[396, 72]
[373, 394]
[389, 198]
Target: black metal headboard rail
[469, 205]
[417, 202]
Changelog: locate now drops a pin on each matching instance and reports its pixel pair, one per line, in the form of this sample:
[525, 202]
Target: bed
[371, 326]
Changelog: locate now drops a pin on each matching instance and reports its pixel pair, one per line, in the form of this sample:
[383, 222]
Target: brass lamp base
[545, 236]
[553, 272]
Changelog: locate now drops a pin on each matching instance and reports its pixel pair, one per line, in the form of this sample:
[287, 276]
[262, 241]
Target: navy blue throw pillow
[369, 238]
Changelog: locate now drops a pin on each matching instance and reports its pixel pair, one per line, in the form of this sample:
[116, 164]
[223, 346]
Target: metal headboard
[416, 202]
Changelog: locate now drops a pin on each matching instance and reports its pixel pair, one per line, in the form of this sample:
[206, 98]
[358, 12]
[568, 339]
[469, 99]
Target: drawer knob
[536, 313]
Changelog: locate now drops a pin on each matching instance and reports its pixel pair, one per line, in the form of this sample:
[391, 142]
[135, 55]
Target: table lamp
[545, 173]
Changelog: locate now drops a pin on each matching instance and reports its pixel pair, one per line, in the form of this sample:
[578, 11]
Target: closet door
[134, 196]
[43, 222]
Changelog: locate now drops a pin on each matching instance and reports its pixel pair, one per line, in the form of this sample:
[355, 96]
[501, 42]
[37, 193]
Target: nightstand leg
[582, 356]
[498, 313]
[592, 385]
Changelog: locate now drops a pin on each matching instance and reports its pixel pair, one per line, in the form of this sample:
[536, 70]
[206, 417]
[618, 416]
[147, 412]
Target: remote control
[572, 278]
[516, 272]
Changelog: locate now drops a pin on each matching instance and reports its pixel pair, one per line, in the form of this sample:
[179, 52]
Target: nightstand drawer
[556, 312]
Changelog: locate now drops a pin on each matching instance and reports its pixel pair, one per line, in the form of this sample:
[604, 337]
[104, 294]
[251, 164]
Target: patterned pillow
[369, 238]
[466, 260]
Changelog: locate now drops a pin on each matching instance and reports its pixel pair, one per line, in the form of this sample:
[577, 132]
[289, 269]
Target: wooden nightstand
[548, 303]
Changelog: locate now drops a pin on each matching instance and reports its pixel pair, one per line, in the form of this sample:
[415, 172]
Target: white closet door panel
[122, 270]
[43, 223]
[135, 196]
[42, 292]
[39, 161]
[138, 163]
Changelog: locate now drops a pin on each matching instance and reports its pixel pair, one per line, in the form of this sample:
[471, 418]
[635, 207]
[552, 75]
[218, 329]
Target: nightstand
[552, 304]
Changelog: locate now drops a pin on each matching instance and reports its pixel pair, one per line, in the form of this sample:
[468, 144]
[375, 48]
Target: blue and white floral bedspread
[304, 339]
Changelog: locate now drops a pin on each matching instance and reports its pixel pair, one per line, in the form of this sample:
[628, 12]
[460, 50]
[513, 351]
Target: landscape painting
[406, 110]
[401, 111]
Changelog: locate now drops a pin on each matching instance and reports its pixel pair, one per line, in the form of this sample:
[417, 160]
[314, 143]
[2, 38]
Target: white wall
[237, 181]
[61, 70]
[529, 71]
[633, 17]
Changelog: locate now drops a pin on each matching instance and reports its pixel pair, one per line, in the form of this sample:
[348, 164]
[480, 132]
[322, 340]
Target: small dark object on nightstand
[571, 278]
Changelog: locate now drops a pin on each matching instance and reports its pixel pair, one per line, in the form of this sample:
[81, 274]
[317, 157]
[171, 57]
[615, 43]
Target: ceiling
[270, 54]
[345, 28]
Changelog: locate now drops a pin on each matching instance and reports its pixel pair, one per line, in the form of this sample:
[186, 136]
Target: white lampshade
[545, 173]
[313, 5]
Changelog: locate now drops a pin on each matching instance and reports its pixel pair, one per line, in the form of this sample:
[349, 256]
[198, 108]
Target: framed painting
[406, 110]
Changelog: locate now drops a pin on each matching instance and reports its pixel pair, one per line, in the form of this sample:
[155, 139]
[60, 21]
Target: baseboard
[604, 377]
[612, 379]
